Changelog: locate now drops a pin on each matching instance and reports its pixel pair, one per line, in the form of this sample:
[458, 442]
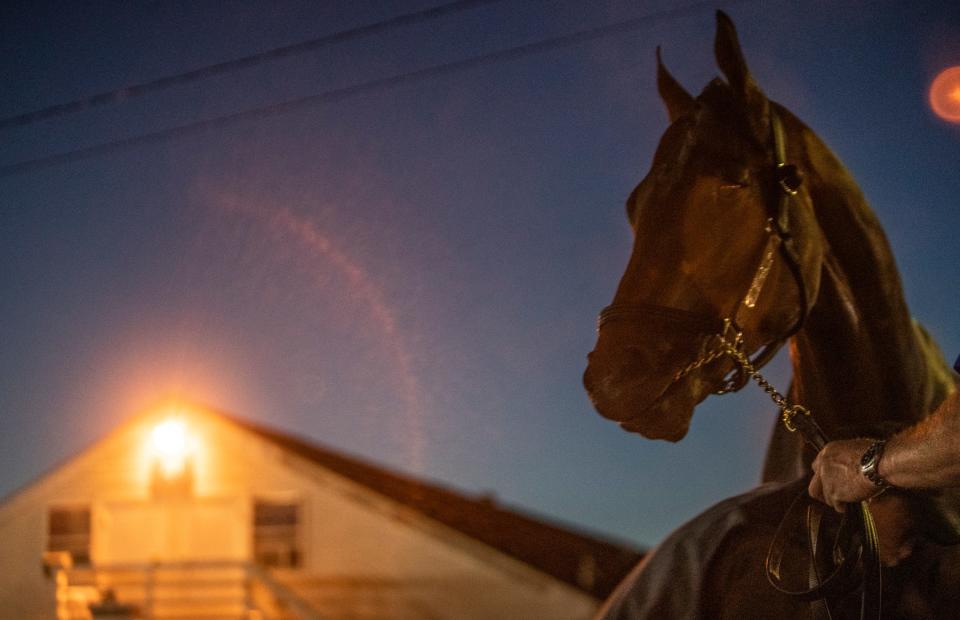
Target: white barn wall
[109, 470]
[24, 592]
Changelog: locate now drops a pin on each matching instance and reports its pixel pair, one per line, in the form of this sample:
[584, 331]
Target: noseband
[726, 330]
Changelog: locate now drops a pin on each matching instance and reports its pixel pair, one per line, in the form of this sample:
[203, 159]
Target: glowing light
[945, 95]
[170, 446]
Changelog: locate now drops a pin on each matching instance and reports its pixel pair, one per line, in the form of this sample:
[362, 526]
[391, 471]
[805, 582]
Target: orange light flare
[945, 95]
[170, 444]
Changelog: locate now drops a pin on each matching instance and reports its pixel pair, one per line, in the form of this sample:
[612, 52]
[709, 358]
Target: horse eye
[733, 185]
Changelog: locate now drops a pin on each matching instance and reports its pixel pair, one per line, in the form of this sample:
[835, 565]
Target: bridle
[727, 329]
[728, 335]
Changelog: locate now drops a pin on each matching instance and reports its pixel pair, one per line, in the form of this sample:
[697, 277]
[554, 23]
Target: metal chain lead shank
[789, 413]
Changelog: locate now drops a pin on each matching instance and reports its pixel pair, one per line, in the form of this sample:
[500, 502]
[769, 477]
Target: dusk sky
[410, 271]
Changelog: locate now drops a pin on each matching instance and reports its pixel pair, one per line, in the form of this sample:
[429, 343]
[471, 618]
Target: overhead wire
[379, 84]
[201, 73]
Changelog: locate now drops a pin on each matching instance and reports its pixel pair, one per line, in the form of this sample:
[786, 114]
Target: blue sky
[411, 274]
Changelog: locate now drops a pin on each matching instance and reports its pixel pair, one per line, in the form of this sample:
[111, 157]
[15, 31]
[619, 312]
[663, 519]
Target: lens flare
[945, 95]
[308, 236]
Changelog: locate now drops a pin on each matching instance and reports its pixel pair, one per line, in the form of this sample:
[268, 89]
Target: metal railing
[151, 591]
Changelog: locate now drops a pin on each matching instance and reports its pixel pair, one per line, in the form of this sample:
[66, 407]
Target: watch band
[870, 464]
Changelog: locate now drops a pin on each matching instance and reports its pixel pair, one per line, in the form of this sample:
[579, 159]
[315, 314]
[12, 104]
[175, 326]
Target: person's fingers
[828, 490]
[815, 488]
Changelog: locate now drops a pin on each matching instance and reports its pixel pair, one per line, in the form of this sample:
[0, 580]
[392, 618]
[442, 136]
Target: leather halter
[858, 543]
[778, 228]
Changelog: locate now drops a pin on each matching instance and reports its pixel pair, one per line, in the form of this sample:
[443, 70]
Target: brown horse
[720, 249]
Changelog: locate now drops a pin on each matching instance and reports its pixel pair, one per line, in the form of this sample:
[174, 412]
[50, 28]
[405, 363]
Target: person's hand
[836, 474]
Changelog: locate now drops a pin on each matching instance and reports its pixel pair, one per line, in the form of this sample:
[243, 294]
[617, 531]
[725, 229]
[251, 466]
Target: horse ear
[733, 65]
[678, 100]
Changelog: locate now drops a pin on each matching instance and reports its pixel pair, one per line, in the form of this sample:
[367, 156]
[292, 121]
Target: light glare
[169, 443]
[945, 95]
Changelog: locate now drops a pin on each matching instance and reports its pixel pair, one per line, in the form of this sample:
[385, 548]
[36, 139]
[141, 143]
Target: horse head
[725, 243]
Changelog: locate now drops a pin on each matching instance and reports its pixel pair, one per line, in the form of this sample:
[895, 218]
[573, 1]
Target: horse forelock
[720, 100]
[716, 89]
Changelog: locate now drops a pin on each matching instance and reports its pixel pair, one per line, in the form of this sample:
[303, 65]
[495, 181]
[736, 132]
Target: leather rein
[856, 542]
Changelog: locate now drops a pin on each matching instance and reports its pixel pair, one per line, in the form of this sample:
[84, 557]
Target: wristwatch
[870, 462]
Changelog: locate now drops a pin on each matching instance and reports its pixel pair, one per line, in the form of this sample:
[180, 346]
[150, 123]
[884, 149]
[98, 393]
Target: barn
[191, 513]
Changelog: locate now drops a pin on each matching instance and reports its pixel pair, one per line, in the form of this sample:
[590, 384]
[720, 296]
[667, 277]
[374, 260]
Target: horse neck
[859, 358]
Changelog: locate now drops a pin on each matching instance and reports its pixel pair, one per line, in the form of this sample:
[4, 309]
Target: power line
[138, 90]
[340, 94]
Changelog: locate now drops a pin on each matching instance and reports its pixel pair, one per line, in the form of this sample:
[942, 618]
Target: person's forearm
[926, 455]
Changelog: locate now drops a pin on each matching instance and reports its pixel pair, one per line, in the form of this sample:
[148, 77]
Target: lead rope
[796, 418]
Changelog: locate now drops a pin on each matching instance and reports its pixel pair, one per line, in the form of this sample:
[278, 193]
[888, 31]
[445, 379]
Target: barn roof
[588, 562]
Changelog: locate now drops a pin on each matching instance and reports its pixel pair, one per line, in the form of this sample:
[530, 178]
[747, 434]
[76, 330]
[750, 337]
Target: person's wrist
[870, 464]
[890, 466]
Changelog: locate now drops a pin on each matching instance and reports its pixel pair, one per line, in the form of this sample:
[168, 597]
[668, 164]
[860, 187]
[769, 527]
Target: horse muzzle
[651, 404]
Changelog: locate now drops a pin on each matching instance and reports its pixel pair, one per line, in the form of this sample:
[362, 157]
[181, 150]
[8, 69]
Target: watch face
[869, 459]
[868, 463]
